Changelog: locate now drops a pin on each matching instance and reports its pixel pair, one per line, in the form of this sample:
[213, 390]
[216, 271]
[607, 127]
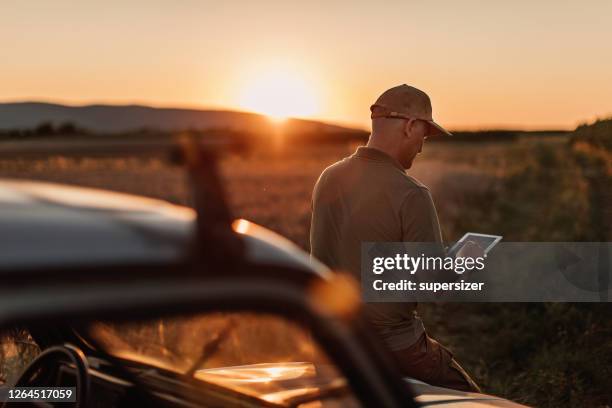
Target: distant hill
[129, 118]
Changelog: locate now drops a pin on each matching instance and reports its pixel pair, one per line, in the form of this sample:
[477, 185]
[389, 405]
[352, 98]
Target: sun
[279, 94]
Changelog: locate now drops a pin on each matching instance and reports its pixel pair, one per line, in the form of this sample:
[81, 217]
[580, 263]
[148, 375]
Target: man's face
[415, 133]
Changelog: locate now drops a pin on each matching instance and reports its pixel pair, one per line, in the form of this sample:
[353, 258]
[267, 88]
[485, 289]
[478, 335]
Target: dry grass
[272, 188]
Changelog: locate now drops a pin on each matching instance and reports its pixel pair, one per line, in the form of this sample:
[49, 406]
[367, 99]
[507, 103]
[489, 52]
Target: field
[536, 189]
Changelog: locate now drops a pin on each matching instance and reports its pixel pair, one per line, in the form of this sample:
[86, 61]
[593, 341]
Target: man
[368, 197]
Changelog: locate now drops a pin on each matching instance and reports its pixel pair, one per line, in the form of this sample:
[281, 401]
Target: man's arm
[419, 217]
[420, 224]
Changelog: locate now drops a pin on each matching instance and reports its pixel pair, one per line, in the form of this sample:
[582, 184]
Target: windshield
[260, 355]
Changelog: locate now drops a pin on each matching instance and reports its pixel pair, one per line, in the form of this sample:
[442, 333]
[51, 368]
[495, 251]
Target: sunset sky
[520, 64]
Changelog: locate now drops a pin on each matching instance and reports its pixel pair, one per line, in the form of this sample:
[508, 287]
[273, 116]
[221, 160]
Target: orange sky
[522, 64]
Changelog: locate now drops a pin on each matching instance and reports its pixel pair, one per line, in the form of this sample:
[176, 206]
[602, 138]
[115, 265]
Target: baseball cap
[408, 102]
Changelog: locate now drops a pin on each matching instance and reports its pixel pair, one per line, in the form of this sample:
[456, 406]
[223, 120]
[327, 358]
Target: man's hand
[470, 250]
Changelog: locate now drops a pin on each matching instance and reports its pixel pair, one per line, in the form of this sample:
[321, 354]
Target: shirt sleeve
[420, 224]
[419, 217]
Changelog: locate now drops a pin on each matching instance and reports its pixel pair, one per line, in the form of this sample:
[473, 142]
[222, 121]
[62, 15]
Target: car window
[261, 355]
[17, 349]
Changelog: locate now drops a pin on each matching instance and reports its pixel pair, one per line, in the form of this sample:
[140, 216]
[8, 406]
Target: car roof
[47, 225]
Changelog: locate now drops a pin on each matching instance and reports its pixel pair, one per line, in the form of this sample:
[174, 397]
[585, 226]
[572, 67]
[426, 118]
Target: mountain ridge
[107, 118]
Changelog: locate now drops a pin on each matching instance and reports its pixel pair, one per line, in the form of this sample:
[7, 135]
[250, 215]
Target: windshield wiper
[211, 347]
[138, 390]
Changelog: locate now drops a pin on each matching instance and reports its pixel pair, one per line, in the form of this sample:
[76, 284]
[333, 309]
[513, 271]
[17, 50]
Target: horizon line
[353, 125]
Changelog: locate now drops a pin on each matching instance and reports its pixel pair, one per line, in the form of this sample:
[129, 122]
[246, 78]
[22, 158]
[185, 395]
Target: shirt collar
[371, 153]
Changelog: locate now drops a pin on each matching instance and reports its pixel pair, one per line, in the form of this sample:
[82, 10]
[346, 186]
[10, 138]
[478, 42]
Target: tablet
[486, 242]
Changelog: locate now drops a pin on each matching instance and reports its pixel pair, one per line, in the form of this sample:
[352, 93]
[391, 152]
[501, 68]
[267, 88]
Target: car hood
[284, 383]
[46, 225]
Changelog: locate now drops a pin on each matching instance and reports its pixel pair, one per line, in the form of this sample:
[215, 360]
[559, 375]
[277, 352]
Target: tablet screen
[486, 242]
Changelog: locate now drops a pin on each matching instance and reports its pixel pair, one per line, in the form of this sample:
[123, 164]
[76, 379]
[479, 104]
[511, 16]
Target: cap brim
[438, 130]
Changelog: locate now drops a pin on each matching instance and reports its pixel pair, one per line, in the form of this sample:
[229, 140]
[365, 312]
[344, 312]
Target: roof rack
[215, 239]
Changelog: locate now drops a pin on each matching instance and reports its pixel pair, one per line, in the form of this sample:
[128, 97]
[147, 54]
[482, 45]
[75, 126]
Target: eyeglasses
[397, 115]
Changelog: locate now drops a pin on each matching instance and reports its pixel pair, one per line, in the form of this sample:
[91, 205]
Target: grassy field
[547, 355]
